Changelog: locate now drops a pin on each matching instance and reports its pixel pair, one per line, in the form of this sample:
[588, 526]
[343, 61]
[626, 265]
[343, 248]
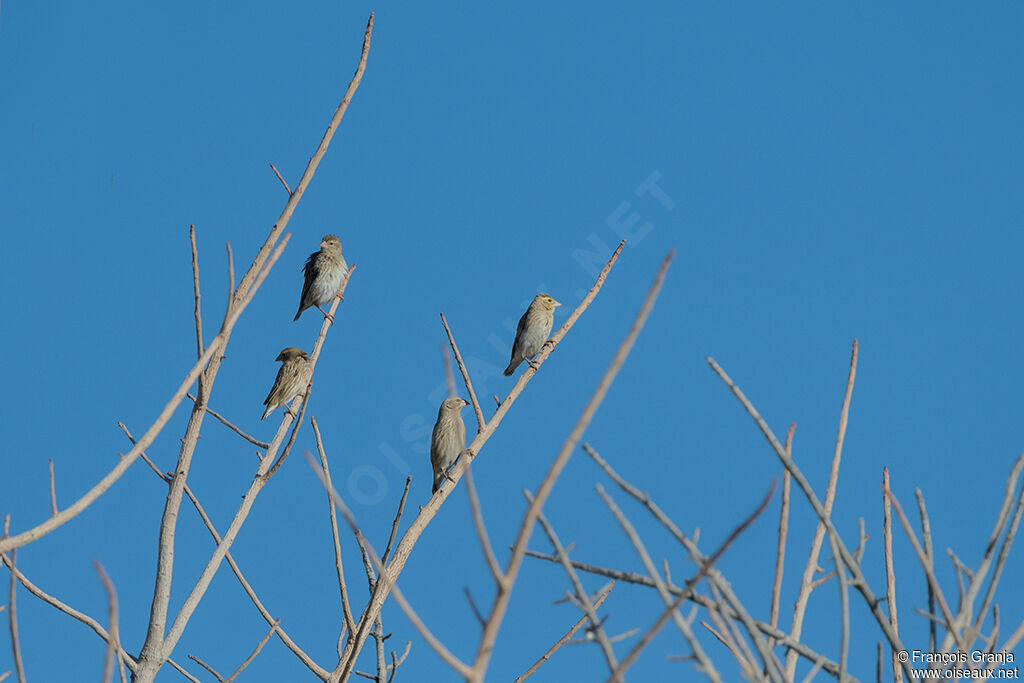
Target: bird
[532, 333]
[290, 380]
[448, 439]
[325, 271]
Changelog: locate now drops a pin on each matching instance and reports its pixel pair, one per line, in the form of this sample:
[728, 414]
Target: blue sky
[829, 172]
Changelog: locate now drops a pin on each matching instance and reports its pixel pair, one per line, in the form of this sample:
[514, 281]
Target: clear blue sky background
[834, 172]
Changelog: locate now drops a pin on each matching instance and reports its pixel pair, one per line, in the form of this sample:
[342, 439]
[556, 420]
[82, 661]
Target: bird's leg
[549, 343]
[326, 314]
[533, 364]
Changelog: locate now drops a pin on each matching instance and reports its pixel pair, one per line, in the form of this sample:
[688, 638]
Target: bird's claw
[326, 314]
[533, 364]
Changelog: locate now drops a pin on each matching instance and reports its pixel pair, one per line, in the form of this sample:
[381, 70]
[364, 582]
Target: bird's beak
[557, 304]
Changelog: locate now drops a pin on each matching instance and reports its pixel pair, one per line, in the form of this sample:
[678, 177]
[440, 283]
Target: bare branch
[339, 567]
[237, 430]
[113, 643]
[819, 533]
[195, 289]
[281, 178]
[12, 608]
[582, 600]
[929, 552]
[384, 578]
[53, 490]
[859, 581]
[231, 272]
[427, 512]
[890, 574]
[481, 528]
[206, 666]
[70, 611]
[177, 667]
[780, 552]
[547, 484]
[255, 652]
[480, 421]
[472, 606]
[648, 637]
[398, 519]
[602, 594]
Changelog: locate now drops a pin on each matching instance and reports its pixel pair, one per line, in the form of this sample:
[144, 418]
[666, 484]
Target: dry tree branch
[807, 579]
[480, 421]
[1004, 551]
[582, 599]
[220, 679]
[237, 430]
[4, 675]
[255, 652]
[859, 581]
[844, 602]
[370, 554]
[718, 583]
[474, 500]
[114, 642]
[317, 670]
[427, 512]
[473, 608]
[780, 552]
[195, 288]
[398, 519]
[12, 607]
[929, 574]
[602, 594]
[231, 271]
[283, 181]
[929, 551]
[501, 600]
[977, 577]
[890, 574]
[704, 662]
[349, 622]
[177, 667]
[631, 656]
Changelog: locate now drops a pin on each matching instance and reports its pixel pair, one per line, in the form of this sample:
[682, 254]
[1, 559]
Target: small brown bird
[534, 328]
[290, 380]
[448, 440]
[325, 271]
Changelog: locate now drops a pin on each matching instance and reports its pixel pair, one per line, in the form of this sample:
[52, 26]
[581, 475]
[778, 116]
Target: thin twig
[237, 430]
[53, 490]
[231, 272]
[844, 602]
[480, 421]
[582, 600]
[929, 552]
[255, 652]
[12, 608]
[177, 667]
[472, 606]
[398, 519]
[807, 579]
[281, 178]
[195, 288]
[481, 528]
[338, 565]
[206, 666]
[655, 628]
[114, 642]
[890, 574]
[602, 594]
[780, 551]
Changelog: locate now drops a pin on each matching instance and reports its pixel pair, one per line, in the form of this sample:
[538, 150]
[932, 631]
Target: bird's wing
[519, 332]
[311, 269]
[277, 384]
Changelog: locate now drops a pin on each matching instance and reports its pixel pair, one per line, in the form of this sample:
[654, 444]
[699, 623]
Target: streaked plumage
[448, 439]
[534, 328]
[325, 271]
[291, 379]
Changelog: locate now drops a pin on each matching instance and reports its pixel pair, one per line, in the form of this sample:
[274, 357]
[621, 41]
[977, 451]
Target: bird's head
[455, 403]
[547, 301]
[291, 353]
[330, 242]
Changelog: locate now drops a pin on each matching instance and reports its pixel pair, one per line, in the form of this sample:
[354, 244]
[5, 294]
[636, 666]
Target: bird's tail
[298, 314]
[438, 478]
[511, 368]
[268, 411]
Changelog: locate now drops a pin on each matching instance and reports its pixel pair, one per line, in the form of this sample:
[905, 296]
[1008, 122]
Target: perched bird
[325, 271]
[290, 380]
[448, 440]
[534, 328]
